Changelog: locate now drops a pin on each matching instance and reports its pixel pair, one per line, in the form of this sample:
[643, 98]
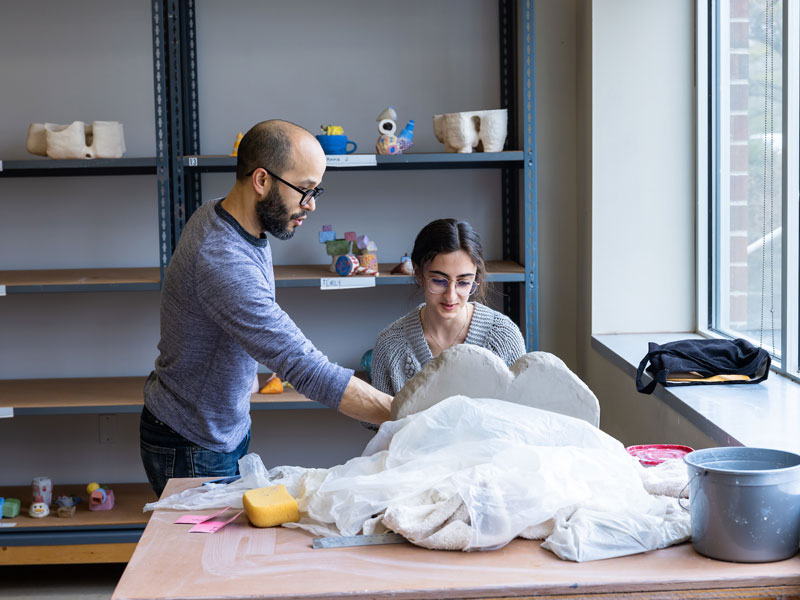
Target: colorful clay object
[236, 143]
[404, 268]
[346, 264]
[389, 142]
[101, 499]
[38, 509]
[368, 262]
[366, 364]
[11, 508]
[92, 487]
[483, 130]
[274, 385]
[332, 130]
[405, 139]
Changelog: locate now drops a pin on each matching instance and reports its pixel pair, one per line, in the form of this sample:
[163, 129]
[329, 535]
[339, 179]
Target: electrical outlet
[107, 428]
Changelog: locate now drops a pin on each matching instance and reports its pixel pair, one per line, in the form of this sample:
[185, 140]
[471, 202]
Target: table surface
[241, 561]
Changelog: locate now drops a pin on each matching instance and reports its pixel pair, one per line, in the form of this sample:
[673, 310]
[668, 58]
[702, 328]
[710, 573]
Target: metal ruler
[358, 540]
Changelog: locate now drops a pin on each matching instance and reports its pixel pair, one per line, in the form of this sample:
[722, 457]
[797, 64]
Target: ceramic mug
[336, 144]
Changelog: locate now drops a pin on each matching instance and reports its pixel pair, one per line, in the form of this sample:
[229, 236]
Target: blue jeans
[166, 453]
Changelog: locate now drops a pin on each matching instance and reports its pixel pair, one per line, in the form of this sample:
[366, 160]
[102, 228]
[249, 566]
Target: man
[219, 317]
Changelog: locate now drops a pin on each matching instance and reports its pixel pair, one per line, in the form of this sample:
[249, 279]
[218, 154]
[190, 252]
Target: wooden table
[241, 561]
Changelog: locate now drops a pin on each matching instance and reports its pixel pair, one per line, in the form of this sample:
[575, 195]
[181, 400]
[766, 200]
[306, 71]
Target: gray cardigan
[402, 350]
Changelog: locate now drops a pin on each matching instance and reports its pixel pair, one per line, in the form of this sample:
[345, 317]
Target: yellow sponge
[270, 506]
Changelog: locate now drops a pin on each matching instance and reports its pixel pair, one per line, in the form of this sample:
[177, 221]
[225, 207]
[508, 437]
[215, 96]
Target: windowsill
[764, 415]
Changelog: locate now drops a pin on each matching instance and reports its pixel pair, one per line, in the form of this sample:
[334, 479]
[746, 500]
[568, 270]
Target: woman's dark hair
[443, 236]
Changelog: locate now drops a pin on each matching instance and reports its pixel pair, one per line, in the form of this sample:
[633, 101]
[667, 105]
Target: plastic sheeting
[473, 474]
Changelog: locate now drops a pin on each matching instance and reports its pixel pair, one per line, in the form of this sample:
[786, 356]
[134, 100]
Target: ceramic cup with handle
[336, 144]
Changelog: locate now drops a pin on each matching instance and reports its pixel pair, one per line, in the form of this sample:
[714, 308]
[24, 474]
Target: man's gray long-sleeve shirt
[219, 319]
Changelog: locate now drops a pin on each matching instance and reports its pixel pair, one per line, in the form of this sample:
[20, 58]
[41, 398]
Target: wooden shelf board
[495, 269]
[129, 498]
[108, 393]
[48, 277]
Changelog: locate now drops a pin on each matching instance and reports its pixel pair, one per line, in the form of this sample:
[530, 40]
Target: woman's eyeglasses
[440, 285]
[306, 195]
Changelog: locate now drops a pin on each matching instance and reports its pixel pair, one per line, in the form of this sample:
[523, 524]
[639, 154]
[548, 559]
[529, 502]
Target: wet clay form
[101, 139]
[537, 379]
[484, 130]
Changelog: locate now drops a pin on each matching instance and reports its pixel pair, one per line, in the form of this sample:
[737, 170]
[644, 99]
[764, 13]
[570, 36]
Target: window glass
[747, 155]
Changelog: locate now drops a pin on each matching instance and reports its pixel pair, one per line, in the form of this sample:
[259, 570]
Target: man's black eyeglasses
[306, 195]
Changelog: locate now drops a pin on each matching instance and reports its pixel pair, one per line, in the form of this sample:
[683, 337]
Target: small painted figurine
[388, 142]
[38, 509]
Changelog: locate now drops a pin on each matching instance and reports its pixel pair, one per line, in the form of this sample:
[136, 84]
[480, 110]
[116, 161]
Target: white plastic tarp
[473, 474]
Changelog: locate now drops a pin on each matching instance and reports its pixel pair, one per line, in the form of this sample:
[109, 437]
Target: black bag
[703, 362]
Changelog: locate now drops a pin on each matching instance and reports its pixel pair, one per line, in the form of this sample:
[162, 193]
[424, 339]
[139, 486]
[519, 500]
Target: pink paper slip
[205, 523]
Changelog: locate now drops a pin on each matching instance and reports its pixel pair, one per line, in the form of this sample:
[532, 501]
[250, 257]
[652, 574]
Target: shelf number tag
[340, 283]
[192, 161]
[2, 290]
[6, 412]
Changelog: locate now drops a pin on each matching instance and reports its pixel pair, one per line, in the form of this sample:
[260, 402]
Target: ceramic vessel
[484, 130]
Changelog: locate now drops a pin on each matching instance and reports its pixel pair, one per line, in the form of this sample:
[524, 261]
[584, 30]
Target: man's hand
[363, 402]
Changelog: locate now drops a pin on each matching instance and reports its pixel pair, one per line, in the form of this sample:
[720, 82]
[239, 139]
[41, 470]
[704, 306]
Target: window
[748, 222]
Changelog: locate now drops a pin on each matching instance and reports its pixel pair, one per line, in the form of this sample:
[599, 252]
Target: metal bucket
[745, 503]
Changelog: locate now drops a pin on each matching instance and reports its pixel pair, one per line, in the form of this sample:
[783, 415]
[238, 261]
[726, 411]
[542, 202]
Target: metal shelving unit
[182, 194]
[178, 165]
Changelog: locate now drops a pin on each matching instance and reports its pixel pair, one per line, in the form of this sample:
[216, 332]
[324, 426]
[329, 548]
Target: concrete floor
[65, 582]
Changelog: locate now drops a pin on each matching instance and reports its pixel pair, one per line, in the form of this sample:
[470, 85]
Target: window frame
[709, 40]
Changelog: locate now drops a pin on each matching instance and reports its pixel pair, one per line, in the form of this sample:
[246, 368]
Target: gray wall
[637, 198]
[92, 61]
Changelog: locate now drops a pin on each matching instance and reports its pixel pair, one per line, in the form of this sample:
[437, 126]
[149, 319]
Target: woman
[448, 264]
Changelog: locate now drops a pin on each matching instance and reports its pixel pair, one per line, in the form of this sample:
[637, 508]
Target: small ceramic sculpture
[404, 267]
[353, 255]
[10, 508]
[334, 141]
[67, 505]
[100, 498]
[273, 385]
[39, 508]
[388, 142]
[101, 139]
[236, 143]
[42, 486]
[484, 130]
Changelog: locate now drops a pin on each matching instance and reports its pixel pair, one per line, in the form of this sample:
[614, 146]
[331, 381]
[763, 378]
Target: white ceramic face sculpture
[38, 509]
[536, 379]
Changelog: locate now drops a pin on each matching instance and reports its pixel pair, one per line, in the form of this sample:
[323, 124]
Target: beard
[274, 217]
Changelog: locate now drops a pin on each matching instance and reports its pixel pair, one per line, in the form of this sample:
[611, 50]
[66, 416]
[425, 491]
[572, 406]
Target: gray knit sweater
[401, 350]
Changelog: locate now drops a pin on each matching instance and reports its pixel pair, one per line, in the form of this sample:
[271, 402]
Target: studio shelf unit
[182, 193]
[178, 164]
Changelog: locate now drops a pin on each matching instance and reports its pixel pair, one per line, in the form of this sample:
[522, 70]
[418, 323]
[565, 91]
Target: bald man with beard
[220, 318]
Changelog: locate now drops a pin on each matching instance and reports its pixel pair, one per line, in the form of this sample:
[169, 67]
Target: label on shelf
[2, 290]
[6, 412]
[340, 283]
[8, 524]
[351, 160]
